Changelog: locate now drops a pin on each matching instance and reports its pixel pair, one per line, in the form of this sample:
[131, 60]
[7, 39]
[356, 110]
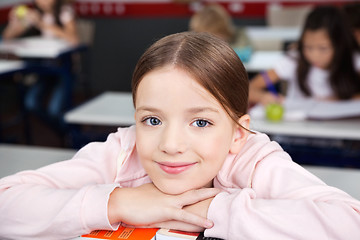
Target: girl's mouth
[175, 168]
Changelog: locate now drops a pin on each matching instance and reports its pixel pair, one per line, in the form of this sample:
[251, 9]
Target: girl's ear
[240, 134]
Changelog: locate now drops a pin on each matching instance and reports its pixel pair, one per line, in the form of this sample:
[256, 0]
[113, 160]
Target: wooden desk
[107, 109]
[15, 158]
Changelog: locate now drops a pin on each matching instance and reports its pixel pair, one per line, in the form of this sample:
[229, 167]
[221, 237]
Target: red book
[122, 233]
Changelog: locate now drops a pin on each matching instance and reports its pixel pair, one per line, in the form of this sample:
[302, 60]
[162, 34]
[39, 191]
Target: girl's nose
[173, 140]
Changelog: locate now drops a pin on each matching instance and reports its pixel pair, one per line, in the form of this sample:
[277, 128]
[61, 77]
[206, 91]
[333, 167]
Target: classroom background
[117, 32]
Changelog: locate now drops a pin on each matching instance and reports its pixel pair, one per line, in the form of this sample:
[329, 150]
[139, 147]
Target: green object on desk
[274, 112]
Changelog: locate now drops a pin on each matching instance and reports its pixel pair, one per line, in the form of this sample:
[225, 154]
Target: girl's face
[183, 135]
[45, 5]
[318, 49]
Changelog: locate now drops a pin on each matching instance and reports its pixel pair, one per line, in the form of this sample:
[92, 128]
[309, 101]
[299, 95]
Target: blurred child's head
[190, 92]
[325, 38]
[46, 5]
[327, 43]
[214, 19]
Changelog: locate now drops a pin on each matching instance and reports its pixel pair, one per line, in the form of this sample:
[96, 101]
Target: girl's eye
[152, 121]
[201, 123]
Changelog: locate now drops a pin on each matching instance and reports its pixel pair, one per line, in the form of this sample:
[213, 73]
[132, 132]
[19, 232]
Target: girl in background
[52, 18]
[325, 65]
[189, 163]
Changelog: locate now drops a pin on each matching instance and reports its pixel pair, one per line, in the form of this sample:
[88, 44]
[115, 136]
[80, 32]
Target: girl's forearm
[13, 31]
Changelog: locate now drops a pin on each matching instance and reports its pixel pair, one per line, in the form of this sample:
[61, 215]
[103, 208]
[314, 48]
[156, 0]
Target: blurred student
[352, 12]
[325, 65]
[214, 18]
[52, 19]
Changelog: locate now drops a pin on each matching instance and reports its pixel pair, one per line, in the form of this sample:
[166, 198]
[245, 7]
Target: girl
[189, 163]
[51, 17]
[325, 66]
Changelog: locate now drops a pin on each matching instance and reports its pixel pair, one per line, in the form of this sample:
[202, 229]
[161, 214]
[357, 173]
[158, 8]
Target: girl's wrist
[113, 206]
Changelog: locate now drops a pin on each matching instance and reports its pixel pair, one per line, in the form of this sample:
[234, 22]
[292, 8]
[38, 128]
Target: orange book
[122, 233]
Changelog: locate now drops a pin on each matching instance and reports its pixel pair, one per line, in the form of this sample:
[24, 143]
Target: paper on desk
[313, 109]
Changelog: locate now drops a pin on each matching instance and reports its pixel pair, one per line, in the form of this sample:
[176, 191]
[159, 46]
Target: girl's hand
[19, 22]
[148, 206]
[199, 208]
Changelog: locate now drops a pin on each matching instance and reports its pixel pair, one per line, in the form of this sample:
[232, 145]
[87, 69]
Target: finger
[190, 218]
[194, 196]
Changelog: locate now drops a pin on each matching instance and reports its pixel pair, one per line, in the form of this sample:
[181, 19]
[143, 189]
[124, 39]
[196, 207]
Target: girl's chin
[173, 187]
[172, 190]
[178, 188]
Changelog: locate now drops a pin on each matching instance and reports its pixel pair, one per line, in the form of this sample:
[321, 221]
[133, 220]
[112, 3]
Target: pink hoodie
[266, 195]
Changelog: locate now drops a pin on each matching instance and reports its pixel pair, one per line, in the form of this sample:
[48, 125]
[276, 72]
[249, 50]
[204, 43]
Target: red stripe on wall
[238, 9]
[4, 13]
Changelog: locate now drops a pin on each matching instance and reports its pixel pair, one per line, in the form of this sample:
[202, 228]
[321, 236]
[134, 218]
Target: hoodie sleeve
[281, 200]
[62, 200]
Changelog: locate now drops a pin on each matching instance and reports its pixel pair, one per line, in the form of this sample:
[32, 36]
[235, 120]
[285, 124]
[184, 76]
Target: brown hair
[214, 19]
[208, 59]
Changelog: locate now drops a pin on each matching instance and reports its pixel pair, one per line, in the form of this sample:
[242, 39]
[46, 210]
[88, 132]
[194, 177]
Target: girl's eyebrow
[202, 109]
[147, 109]
[193, 110]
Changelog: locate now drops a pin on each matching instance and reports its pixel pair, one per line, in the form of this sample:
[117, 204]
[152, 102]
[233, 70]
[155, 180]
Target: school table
[262, 60]
[15, 158]
[10, 66]
[107, 109]
[45, 56]
[334, 129]
[36, 47]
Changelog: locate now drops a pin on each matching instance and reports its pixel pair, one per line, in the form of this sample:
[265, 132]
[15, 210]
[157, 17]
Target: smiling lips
[175, 168]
